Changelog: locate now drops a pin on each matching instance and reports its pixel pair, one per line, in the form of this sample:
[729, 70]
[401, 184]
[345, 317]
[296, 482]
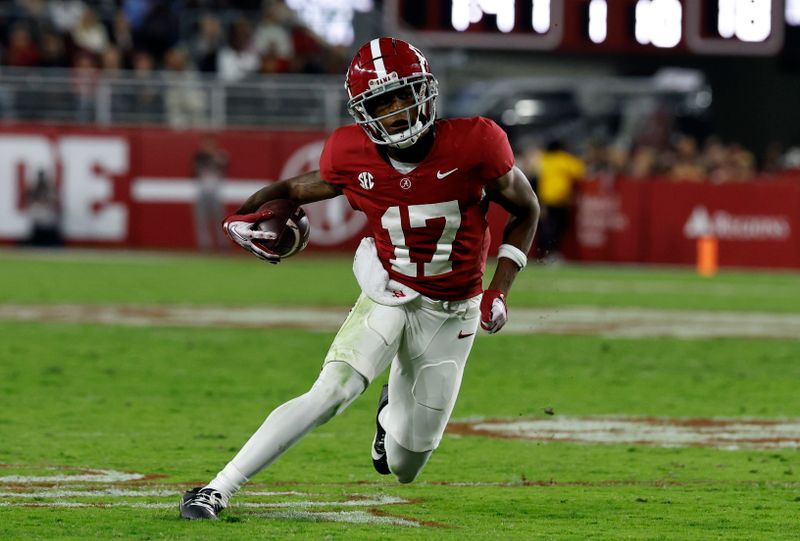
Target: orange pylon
[707, 256]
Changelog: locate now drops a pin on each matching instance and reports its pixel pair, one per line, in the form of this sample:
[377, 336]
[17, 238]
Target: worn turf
[174, 404]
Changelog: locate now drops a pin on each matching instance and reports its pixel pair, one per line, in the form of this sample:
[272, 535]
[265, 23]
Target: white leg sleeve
[337, 386]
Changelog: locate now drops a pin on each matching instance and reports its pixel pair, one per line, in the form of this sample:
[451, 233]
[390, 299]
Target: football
[290, 225]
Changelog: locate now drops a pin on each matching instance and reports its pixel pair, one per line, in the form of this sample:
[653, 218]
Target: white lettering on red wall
[727, 226]
[84, 169]
[596, 217]
[89, 166]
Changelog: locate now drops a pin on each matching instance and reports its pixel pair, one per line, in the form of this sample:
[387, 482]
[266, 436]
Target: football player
[425, 185]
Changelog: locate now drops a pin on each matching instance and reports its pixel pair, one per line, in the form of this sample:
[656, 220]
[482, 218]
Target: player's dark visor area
[380, 103]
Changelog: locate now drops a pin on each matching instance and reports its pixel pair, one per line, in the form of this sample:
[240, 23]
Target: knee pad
[435, 385]
[419, 412]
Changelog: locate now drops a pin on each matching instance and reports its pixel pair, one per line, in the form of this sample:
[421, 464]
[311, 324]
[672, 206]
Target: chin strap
[407, 142]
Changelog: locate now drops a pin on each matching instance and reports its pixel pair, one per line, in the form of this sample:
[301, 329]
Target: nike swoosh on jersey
[462, 335]
[441, 175]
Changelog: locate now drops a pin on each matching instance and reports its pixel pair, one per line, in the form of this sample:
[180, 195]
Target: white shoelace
[208, 500]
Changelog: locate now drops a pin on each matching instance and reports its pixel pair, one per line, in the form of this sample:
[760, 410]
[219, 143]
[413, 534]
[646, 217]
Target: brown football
[290, 225]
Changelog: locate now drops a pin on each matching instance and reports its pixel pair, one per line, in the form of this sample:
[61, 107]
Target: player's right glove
[494, 313]
[239, 227]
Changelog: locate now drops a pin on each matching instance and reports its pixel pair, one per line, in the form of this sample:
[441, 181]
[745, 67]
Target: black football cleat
[201, 503]
[379, 443]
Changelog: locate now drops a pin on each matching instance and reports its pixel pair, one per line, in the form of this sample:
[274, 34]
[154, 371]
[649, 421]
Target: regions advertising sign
[756, 224]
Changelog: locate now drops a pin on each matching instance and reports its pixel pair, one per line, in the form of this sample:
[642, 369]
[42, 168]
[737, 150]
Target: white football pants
[429, 342]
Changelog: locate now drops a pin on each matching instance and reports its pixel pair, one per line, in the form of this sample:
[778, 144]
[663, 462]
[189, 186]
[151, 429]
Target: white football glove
[239, 227]
[494, 313]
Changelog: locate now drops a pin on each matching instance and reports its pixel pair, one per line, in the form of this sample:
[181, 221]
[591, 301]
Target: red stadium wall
[134, 188]
[756, 223]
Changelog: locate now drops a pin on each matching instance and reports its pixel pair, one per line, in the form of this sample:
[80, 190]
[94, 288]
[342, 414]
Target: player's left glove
[239, 227]
[494, 313]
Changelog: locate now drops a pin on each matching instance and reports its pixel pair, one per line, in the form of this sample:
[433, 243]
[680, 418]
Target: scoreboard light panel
[737, 27]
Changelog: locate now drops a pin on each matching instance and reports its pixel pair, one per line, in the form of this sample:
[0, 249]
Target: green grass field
[169, 406]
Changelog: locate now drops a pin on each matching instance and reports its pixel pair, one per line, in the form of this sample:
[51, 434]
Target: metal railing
[177, 99]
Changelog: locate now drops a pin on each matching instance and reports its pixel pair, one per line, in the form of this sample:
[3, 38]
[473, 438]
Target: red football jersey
[429, 224]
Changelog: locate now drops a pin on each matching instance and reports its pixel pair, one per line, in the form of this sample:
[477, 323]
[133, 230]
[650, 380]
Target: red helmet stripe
[377, 57]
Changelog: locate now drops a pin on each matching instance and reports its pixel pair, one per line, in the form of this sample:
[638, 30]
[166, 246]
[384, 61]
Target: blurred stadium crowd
[681, 158]
[234, 39]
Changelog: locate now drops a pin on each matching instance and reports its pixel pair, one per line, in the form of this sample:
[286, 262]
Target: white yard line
[582, 320]
[94, 476]
[718, 432]
[111, 497]
[666, 287]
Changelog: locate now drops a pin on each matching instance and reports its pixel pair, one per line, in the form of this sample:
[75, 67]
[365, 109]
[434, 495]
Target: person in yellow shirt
[558, 172]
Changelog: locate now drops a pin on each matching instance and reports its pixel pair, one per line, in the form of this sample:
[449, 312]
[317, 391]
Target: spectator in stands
[146, 98]
[160, 30]
[272, 36]
[84, 85]
[739, 165]
[238, 59]
[121, 34]
[22, 51]
[44, 212]
[685, 162]
[34, 15]
[89, 35]
[283, 13]
[619, 157]
[65, 14]
[208, 166]
[111, 62]
[558, 172]
[153, 26]
[270, 64]
[184, 99]
[336, 60]
[643, 163]
[773, 157]
[54, 52]
[596, 159]
[308, 51]
[207, 44]
[713, 156]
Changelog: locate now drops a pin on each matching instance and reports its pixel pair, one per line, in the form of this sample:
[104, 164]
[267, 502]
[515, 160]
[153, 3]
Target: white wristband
[514, 254]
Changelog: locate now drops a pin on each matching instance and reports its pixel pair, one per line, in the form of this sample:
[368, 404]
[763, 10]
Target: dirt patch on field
[608, 322]
[721, 433]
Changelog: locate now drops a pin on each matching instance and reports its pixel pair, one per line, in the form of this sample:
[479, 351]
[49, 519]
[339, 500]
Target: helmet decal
[386, 65]
[377, 57]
